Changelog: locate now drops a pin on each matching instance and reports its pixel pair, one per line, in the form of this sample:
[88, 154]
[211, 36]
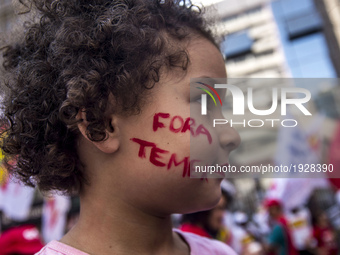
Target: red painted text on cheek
[179, 121]
[185, 162]
[158, 156]
[156, 123]
[142, 146]
[178, 124]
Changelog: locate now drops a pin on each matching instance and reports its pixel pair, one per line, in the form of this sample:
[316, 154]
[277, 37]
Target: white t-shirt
[301, 228]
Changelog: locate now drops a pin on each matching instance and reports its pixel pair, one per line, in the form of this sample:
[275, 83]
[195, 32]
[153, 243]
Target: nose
[229, 138]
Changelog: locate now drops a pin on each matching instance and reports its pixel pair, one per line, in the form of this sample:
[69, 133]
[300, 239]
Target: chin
[212, 194]
[206, 200]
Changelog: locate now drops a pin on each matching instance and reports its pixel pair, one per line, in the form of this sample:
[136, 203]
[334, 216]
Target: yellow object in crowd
[298, 223]
[2, 170]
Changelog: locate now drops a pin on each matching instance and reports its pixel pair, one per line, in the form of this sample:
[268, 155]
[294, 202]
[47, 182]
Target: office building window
[237, 44]
[303, 24]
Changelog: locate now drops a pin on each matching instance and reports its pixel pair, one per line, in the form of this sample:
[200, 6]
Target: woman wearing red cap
[279, 239]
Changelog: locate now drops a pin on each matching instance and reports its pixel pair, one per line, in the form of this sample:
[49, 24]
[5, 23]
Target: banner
[334, 155]
[54, 217]
[298, 146]
[16, 199]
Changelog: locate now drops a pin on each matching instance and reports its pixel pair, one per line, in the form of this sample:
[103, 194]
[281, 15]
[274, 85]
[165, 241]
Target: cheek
[175, 142]
[155, 161]
[166, 144]
[204, 147]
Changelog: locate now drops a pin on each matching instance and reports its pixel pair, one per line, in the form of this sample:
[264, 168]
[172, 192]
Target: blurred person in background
[244, 240]
[229, 193]
[279, 241]
[261, 221]
[324, 236]
[301, 228]
[20, 240]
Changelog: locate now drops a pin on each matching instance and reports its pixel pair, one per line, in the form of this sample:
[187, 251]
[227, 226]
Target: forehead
[206, 62]
[205, 59]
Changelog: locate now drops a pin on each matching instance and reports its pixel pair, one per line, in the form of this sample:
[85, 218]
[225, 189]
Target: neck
[116, 227]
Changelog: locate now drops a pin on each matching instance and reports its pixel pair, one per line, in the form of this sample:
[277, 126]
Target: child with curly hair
[90, 93]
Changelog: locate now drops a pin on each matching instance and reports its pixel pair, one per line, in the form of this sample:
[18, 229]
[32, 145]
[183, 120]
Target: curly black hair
[74, 58]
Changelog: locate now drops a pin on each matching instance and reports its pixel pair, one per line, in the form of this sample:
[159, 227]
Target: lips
[223, 173]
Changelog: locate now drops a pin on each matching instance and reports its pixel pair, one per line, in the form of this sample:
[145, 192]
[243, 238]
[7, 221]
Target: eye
[198, 100]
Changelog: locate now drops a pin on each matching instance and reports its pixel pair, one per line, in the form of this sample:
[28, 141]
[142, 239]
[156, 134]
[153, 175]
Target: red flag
[334, 157]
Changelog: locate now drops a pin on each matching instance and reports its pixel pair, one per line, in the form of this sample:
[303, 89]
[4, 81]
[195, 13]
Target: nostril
[232, 146]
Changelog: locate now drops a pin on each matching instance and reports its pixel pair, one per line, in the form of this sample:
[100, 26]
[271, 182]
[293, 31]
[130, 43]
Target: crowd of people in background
[271, 230]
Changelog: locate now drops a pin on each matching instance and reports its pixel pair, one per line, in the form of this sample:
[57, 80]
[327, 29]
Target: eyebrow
[214, 80]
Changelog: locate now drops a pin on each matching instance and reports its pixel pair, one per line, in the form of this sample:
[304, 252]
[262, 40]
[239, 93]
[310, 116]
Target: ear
[111, 143]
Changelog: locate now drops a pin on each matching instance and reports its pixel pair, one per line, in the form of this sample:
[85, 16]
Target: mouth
[223, 174]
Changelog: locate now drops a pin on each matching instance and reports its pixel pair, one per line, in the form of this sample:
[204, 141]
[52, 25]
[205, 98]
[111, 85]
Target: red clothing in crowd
[20, 240]
[325, 238]
[187, 227]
